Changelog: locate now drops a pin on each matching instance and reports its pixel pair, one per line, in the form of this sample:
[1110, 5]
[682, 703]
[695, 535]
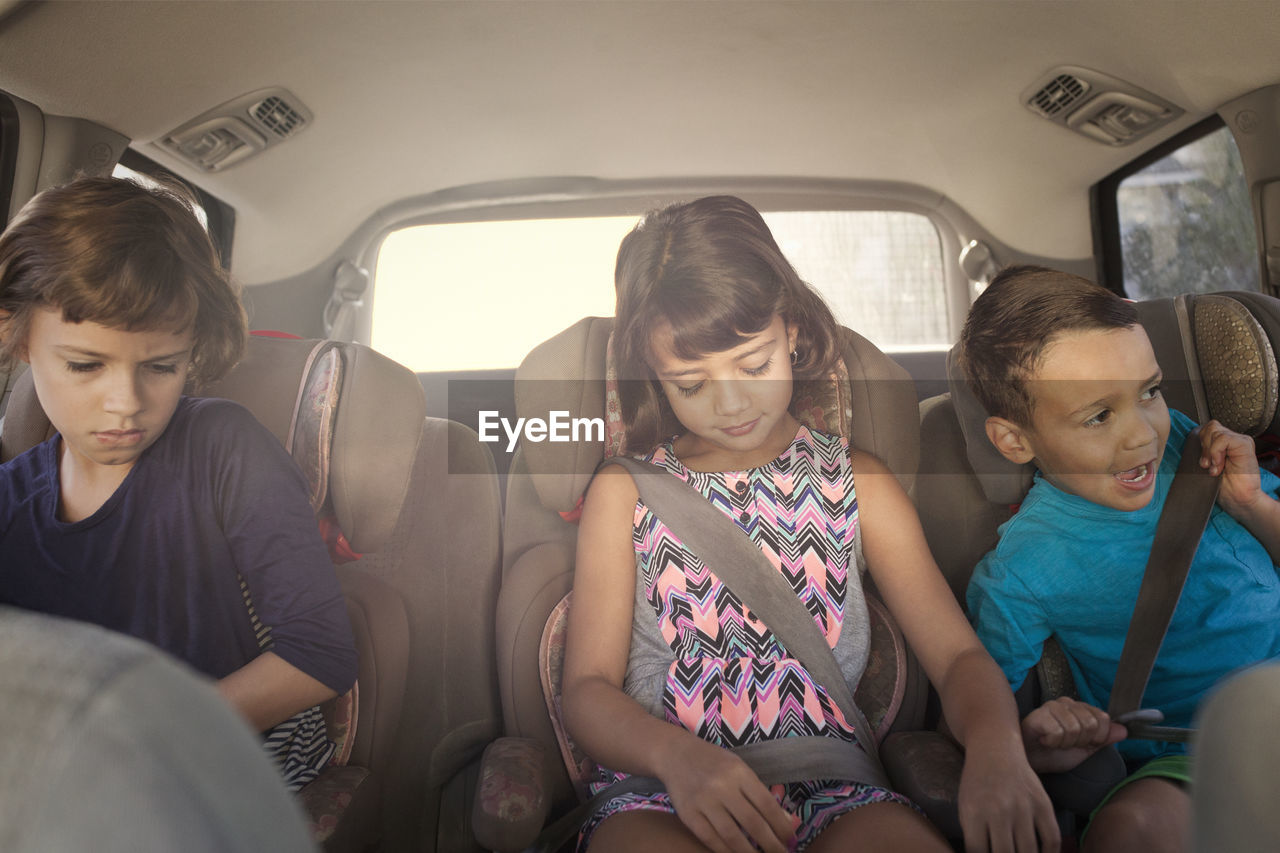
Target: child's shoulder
[212, 416]
[25, 476]
[208, 430]
[820, 438]
[1039, 525]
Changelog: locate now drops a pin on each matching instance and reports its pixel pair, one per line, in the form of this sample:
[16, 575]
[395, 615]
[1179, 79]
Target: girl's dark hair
[1016, 318]
[711, 270]
[125, 256]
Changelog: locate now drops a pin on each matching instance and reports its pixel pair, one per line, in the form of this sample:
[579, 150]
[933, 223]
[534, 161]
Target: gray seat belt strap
[1178, 532]
[738, 562]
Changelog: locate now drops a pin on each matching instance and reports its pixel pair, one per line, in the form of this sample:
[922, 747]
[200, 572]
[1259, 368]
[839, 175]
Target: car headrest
[871, 401]
[350, 417]
[1218, 361]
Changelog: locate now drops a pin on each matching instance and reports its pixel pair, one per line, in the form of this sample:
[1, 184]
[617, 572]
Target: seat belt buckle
[1144, 724]
[1147, 716]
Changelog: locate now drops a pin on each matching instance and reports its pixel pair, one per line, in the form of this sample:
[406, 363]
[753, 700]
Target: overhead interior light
[1117, 119]
[1101, 107]
[232, 132]
[216, 144]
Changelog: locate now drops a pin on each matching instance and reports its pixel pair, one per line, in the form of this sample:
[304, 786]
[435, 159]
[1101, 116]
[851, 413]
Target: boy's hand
[1240, 493]
[1063, 732]
[1232, 455]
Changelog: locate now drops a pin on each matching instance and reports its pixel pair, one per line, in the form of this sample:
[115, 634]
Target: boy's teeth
[1133, 474]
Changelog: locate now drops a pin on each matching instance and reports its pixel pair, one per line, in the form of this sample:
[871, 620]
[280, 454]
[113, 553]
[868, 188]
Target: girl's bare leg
[881, 827]
[644, 832]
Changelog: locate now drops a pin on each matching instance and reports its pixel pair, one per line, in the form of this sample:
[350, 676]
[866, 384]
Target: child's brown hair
[125, 256]
[711, 270]
[1013, 321]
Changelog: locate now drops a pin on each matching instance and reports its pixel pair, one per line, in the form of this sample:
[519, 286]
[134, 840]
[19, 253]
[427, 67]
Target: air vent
[238, 129]
[1098, 106]
[278, 116]
[1062, 93]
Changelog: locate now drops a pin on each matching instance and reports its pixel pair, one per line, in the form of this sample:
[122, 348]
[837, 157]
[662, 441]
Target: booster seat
[355, 423]
[535, 771]
[1216, 353]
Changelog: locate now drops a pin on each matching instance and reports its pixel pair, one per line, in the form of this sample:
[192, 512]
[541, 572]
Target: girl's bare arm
[714, 793]
[1002, 803]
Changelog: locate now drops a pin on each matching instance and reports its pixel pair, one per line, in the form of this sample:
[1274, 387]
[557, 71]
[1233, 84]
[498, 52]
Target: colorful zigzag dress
[700, 658]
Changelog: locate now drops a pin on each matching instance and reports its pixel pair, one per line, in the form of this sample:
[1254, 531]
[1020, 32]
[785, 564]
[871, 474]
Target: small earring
[794, 357]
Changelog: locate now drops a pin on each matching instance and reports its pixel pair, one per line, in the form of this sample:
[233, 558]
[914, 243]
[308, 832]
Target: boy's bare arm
[1232, 455]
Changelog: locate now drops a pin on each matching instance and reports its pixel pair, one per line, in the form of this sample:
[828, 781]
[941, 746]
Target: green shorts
[1175, 767]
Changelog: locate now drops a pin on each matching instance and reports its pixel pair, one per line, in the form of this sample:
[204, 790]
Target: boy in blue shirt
[1071, 383]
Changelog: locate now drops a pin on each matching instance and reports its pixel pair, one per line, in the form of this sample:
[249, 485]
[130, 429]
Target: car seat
[1218, 361]
[389, 481]
[536, 771]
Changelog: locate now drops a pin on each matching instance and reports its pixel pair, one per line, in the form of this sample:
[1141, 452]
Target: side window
[879, 270]
[480, 295]
[217, 217]
[1184, 221]
[8, 154]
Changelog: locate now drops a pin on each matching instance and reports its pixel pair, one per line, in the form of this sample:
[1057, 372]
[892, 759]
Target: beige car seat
[1216, 354]
[874, 405]
[417, 497]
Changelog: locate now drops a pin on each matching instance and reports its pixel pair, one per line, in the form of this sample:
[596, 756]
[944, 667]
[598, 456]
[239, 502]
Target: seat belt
[1178, 532]
[727, 550]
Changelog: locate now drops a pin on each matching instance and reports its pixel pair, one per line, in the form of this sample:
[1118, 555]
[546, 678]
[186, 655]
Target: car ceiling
[413, 98]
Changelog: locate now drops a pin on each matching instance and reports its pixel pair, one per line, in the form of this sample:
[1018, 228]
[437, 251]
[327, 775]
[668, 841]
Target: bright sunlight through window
[480, 295]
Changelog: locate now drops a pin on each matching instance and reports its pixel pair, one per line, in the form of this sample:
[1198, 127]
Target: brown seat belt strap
[1178, 532]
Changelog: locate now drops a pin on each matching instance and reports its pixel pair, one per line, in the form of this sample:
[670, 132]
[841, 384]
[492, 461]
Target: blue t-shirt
[1067, 567]
[215, 496]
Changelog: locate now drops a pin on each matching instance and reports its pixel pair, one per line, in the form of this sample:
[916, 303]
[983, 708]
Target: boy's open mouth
[1137, 478]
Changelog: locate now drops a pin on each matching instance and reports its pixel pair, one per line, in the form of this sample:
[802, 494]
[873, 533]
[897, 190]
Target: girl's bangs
[719, 322]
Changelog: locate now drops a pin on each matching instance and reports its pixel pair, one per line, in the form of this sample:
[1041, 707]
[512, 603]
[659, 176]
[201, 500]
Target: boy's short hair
[125, 256]
[1016, 317]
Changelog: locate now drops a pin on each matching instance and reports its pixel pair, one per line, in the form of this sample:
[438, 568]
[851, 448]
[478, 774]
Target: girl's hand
[722, 801]
[1003, 807]
[1232, 455]
[1063, 732]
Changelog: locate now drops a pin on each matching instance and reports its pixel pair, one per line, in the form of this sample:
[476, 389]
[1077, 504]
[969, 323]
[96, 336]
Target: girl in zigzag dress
[666, 669]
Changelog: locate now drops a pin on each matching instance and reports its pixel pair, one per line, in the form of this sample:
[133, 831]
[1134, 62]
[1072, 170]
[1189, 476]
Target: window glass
[480, 295]
[879, 270]
[1186, 225]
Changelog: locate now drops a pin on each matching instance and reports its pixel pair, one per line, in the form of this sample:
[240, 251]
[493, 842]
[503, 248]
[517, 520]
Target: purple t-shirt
[216, 495]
